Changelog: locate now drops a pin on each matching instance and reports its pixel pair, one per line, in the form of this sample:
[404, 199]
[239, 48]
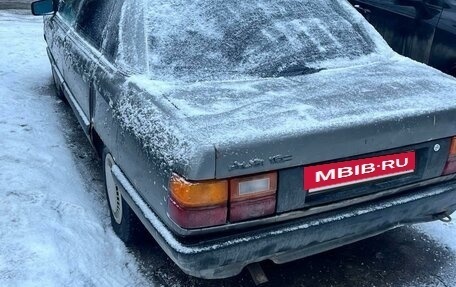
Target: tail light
[450, 166]
[205, 203]
[252, 197]
[198, 204]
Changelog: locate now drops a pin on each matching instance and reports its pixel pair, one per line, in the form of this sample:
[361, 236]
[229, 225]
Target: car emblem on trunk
[257, 162]
[247, 164]
[280, 158]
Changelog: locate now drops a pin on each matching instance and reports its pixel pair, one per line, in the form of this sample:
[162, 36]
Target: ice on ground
[444, 233]
[53, 232]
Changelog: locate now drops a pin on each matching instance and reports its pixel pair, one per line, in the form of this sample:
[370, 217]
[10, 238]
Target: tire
[124, 221]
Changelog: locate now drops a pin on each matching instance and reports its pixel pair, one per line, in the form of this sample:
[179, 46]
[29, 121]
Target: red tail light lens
[450, 166]
[252, 197]
[196, 217]
[205, 204]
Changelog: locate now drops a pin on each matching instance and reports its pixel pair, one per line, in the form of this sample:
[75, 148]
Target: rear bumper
[288, 241]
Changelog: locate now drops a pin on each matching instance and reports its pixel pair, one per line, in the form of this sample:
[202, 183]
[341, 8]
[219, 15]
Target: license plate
[338, 174]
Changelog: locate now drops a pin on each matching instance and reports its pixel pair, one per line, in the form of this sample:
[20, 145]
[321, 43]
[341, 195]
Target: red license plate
[332, 175]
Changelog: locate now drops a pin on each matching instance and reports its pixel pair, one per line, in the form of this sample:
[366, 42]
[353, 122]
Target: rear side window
[69, 9]
[92, 20]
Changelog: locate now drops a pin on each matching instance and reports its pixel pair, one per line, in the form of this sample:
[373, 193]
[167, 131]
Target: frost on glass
[196, 40]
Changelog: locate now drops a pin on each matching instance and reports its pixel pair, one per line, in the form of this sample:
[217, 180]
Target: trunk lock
[436, 147]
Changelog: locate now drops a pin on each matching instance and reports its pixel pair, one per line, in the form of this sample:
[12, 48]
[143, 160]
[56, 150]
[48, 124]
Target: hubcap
[114, 195]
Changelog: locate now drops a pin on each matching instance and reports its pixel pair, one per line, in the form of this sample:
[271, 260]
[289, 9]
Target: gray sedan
[243, 131]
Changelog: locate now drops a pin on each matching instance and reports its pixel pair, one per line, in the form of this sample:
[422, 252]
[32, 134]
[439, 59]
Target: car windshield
[194, 40]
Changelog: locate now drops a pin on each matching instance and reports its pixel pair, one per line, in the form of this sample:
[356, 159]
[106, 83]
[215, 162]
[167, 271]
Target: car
[242, 131]
[424, 30]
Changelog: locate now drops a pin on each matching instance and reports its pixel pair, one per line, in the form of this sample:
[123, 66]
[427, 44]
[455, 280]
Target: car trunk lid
[288, 123]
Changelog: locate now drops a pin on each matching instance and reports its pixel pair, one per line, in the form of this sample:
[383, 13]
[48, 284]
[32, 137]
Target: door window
[92, 20]
[69, 9]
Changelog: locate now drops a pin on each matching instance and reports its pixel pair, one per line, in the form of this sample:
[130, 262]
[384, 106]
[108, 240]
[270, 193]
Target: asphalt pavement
[15, 4]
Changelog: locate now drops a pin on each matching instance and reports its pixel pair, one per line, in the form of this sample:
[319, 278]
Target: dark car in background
[424, 30]
[244, 131]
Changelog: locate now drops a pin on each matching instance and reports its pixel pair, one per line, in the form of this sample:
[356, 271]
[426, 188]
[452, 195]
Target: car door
[407, 25]
[55, 29]
[443, 55]
[83, 49]
[80, 57]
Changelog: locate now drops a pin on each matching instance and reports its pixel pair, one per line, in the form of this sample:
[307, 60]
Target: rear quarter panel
[148, 175]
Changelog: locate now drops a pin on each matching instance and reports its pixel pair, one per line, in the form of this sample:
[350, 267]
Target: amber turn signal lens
[453, 147]
[450, 166]
[198, 194]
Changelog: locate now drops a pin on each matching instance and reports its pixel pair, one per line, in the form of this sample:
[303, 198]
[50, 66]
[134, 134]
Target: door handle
[362, 9]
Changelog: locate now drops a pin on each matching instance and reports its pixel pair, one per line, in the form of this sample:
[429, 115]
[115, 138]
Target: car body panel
[55, 37]
[80, 63]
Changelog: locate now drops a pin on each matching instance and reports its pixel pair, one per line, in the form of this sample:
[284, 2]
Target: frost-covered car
[242, 131]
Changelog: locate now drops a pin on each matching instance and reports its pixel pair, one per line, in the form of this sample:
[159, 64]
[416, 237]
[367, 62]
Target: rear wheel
[123, 220]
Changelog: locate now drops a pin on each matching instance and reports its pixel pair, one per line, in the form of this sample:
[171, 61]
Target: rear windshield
[194, 40]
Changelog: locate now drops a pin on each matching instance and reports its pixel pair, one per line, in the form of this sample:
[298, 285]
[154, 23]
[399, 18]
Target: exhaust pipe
[257, 273]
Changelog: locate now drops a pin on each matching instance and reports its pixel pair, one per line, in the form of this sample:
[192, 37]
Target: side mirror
[44, 7]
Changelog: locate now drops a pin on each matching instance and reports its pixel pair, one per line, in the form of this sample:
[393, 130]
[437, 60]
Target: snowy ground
[15, 4]
[54, 230]
[54, 224]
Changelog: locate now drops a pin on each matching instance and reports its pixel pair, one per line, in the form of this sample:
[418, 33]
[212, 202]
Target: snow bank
[53, 231]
